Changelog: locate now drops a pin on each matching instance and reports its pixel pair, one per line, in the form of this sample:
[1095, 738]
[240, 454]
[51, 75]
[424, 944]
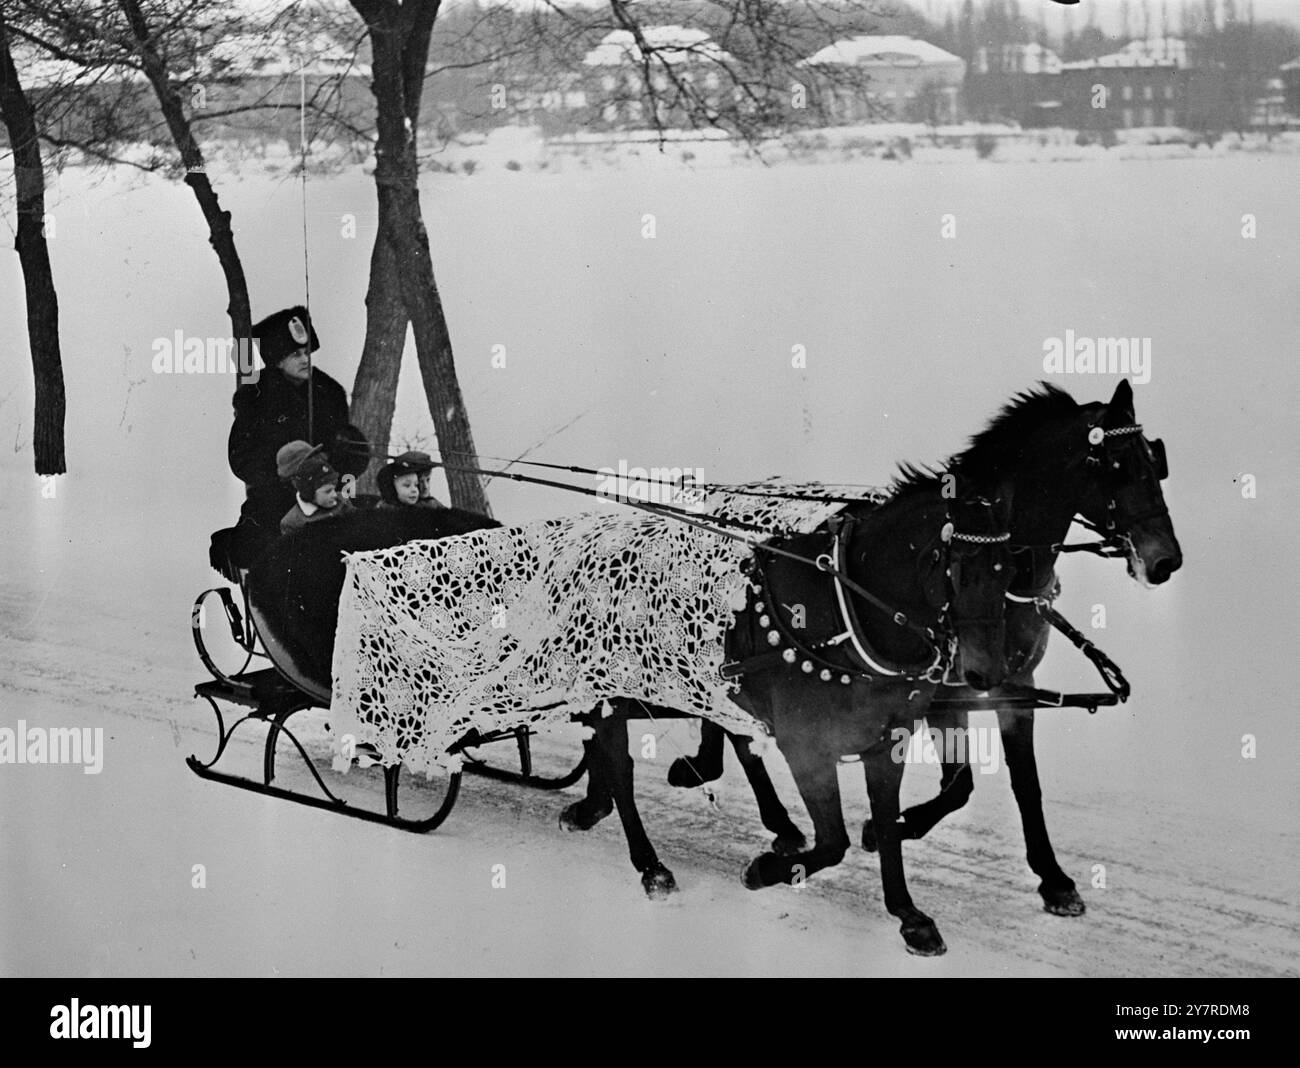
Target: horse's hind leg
[956, 783]
[705, 766]
[884, 778]
[789, 839]
[599, 802]
[616, 767]
[1057, 889]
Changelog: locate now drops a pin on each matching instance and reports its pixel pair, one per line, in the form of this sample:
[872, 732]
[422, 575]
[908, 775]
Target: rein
[1113, 545]
[717, 524]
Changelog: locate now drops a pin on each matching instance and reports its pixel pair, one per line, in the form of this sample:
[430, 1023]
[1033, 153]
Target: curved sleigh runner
[280, 617]
[273, 695]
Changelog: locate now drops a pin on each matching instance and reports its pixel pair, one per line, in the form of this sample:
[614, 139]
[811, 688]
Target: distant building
[1017, 82]
[905, 78]
[1156, 82]
[1268, 108]
[614, 88]
[1290, 74]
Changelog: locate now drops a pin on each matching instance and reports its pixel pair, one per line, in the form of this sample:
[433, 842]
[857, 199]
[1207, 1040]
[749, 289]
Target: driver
[272, 411]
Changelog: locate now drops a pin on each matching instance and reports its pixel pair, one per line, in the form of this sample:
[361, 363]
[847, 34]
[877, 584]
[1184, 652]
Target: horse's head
[976, 569]
[1122, 494]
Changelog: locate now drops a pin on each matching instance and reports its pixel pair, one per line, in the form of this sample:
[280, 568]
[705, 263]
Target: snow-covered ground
[671, 351]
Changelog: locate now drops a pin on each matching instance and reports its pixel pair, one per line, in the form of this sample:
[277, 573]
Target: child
[405, 482]
[427, 499]
[315, 483]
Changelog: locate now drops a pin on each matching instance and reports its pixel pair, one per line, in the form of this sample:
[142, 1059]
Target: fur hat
[405, 464]
[284, 333]
[312, 473]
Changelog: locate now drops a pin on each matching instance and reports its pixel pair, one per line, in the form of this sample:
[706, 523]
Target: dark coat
[297, 582]
[272, 412]
[295, 518]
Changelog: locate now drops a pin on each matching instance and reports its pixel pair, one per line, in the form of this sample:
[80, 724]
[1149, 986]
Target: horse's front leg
[956, 783]
[1057, 889]
[815, 775]
[706, 765]
[884, 778]
[789, 839]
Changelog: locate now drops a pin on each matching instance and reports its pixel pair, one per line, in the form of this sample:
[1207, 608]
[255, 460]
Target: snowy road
[100, 869]
[676, 352]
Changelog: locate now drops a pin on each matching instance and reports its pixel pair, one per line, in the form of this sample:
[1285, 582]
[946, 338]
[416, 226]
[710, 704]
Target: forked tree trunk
[399, 38]
[38, 277]
[220, 235]
[374, 393]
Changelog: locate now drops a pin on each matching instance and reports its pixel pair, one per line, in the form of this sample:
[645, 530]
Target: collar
[308, 507]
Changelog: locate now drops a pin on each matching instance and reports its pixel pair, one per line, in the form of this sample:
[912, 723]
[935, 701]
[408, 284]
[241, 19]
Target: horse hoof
[1064, 902]
[869, 837]
[753, 876]
[688, 774]
[658, 883]
[580, 816]
[923, 939]
[788, 842]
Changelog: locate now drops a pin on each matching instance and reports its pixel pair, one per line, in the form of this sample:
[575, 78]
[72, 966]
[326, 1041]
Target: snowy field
[671, 351]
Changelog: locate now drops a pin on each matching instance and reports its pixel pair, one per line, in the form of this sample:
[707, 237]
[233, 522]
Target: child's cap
[312, 473]
[291, 455]
[407, 463]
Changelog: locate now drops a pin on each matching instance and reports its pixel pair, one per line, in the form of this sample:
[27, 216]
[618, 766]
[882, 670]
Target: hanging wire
[306, 268]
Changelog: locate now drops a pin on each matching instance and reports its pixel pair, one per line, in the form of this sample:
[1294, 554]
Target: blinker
[1162, 462]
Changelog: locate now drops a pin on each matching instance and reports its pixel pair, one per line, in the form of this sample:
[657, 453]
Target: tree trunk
[38, 277]
[399, 38]
[374, 392]
[220, 235]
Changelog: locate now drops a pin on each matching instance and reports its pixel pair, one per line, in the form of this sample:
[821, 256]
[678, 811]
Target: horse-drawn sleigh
[924, 602]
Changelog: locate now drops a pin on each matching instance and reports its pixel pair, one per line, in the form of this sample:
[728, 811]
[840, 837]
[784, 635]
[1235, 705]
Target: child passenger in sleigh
[404, 483]
[316, 485]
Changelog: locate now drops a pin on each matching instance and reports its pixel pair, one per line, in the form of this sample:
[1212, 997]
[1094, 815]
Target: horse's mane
[994, 449]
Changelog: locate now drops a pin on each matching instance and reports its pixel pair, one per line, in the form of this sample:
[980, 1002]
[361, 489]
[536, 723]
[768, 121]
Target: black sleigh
[280, 674]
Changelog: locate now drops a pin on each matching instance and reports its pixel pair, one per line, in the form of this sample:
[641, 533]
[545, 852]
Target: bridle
[1114, 532]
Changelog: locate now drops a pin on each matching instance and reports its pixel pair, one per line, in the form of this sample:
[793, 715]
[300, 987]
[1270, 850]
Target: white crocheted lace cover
[525, 625]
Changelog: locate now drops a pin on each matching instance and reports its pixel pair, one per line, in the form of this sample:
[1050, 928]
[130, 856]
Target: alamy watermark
[53, 745]
[948, 745]
[677, 487]
[76, 1020]
[181, 355]
[1070, 355]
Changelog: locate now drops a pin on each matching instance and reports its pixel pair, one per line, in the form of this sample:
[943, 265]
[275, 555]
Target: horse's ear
[1119, 412]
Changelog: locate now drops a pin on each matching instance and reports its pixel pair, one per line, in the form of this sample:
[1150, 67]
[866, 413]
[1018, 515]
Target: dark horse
[1064, 459]
[886, 589]
[1091, 460]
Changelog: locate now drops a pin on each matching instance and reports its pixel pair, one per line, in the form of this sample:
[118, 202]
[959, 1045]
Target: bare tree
[220, 234]
[34, 255]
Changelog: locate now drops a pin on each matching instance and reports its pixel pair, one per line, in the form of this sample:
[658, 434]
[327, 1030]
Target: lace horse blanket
[525, 625]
